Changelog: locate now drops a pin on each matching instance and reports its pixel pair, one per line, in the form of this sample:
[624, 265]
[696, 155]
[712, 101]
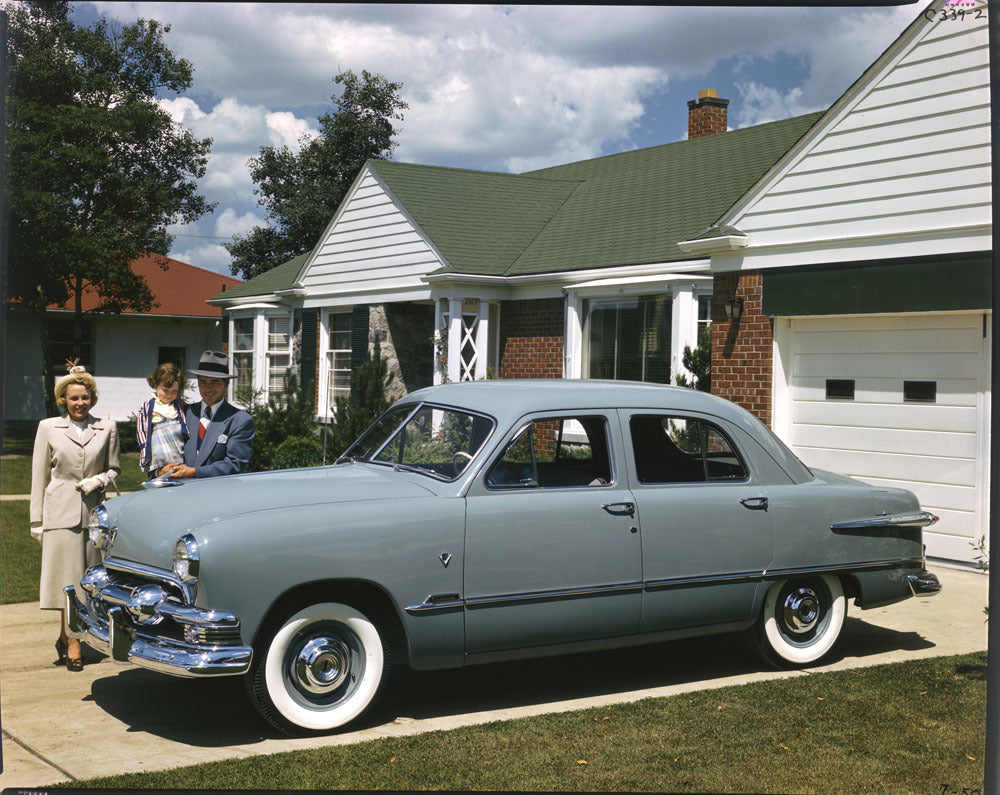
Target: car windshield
[433, 440]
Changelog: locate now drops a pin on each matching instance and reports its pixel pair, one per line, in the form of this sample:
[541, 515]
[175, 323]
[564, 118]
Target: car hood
[150, 522]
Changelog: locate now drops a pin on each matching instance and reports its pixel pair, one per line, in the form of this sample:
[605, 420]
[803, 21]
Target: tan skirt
[66, 554]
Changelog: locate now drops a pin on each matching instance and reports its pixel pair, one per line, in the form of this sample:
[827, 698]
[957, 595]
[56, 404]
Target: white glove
[36, 531]
[88, 485]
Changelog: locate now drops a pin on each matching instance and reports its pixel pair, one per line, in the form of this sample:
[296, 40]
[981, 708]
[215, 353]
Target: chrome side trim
[711, 579]
[894, 563]
[917, 519]
[487, 601]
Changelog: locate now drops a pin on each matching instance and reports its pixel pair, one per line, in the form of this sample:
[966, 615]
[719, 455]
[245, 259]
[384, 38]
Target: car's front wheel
[322, 668]
[800, 622]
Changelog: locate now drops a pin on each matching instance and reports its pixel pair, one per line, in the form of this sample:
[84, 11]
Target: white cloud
[228, 223]
[208, 256]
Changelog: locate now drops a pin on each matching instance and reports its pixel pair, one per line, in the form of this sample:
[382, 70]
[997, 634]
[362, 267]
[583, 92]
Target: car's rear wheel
[322, 668]
[800, 622]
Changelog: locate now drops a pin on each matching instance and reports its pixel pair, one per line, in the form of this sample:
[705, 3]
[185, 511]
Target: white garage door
[896, 401]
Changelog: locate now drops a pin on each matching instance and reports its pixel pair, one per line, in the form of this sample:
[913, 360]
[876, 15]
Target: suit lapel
[69, 430]
[213, 431]
[89, 432]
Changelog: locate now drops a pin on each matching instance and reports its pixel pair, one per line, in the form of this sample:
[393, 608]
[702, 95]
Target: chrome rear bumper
[127, 643]
[923, 583]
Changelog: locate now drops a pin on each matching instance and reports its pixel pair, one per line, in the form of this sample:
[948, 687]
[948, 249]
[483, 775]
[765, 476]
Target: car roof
[507, 400]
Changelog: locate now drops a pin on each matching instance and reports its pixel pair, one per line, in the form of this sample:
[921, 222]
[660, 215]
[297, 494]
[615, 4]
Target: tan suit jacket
[61, 459]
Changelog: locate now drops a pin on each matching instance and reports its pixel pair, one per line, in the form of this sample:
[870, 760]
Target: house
[568, 271]
[862, 266]
[120, 350]
[842, 258]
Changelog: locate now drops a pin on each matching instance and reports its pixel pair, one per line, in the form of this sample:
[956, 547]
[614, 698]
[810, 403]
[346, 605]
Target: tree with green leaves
[301, 190]
[96, 169]
[698, 362]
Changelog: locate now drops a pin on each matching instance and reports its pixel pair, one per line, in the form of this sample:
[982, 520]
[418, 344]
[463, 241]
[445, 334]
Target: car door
[553, 553]
[706, 531]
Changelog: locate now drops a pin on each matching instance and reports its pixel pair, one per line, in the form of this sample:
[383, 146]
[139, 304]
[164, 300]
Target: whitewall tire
[323, 668]
[801, 620]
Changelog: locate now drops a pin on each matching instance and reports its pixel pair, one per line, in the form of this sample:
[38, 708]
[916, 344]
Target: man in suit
[220, 435]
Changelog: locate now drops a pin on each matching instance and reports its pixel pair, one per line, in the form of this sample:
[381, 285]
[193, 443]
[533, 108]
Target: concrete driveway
[60, 726]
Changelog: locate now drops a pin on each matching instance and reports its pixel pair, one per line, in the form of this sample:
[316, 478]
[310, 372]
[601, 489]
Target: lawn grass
[20, 554]
[15, 474]
[901, 728]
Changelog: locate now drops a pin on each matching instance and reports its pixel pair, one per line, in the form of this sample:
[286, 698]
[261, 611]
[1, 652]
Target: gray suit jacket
[60, 460]
[226, 448]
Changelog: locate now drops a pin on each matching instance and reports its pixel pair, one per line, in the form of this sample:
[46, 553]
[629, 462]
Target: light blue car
[494, 520]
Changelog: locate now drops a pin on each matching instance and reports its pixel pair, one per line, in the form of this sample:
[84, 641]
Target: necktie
[203, 425]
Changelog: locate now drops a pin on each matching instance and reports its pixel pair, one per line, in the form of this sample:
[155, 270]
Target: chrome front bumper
[102, 620]
[923, 583]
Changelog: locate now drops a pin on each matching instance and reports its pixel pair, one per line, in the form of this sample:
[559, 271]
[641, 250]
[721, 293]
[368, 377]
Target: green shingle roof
[281, 277]
[624, 209]
[630, 208]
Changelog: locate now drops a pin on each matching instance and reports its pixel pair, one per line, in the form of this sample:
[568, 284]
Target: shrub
[297, 452]
[126, 435]
[698, 362]
[282, 417]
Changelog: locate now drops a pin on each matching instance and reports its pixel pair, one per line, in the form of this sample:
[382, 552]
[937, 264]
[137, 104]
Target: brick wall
[531, 338]
[707, 115]
[742, 351]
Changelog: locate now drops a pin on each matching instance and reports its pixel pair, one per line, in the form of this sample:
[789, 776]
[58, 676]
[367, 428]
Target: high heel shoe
[62, 646]
[74, 664]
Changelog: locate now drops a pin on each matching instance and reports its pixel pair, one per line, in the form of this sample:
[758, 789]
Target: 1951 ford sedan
[488, 521]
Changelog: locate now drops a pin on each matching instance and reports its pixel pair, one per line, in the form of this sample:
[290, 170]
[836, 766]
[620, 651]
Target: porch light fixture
[734, 308]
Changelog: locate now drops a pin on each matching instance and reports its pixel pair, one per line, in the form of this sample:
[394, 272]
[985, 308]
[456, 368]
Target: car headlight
[99, 528]
[186, 559]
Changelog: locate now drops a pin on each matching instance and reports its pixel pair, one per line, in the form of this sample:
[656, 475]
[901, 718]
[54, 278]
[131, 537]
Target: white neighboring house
[120, 350]
[866, 251]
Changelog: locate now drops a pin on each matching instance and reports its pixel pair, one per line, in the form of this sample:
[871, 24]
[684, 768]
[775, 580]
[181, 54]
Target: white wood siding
[935, 450]
[910, 157]
[372, 246]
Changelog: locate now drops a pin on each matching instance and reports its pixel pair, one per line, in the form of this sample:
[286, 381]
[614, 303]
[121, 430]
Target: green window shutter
[307, 364]
[359, 335]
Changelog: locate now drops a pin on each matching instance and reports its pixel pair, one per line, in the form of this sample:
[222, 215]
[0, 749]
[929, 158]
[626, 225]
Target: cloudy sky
[496, 87]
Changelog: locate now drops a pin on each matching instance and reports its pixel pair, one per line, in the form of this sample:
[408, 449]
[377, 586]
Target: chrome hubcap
[322, 665]
[800, 610]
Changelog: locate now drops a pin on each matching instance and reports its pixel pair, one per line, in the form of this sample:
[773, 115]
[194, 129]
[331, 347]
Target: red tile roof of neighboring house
[181, 289]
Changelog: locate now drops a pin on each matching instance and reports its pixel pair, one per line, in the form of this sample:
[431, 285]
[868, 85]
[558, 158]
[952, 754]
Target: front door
[553, 552]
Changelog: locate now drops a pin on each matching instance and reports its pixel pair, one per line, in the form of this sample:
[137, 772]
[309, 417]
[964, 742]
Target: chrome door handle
[620, 508]
[755, 503]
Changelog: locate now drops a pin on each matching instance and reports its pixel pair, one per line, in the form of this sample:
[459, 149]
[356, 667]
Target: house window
[61, 331]
[172, 355]
[243, 354]
[704, 313]
[339, 358]
[279, 354]
[628, 338]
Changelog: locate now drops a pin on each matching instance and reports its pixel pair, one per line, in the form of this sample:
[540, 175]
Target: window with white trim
[279, 354]
[338, 358]
[628, 338]
[243, 354]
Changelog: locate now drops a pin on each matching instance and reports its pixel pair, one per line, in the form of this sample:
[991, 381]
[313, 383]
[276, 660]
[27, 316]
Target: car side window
[682, 450]
[555, 452]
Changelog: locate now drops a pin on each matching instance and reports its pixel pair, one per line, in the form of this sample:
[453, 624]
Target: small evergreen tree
[283, 417]
[698, 362]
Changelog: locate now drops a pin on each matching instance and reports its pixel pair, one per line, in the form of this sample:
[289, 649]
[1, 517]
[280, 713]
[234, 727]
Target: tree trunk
[48, 377]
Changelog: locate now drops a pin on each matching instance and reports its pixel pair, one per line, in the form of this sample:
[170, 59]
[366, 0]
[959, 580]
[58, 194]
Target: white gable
[902, 163]
[371, 252]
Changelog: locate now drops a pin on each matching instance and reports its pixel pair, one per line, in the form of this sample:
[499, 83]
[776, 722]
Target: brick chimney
[707, 114]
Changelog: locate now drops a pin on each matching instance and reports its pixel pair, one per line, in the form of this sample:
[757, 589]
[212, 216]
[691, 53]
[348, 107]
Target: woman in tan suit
[74, 461]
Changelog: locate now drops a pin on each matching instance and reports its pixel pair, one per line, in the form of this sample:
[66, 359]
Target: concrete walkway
[60, 726]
